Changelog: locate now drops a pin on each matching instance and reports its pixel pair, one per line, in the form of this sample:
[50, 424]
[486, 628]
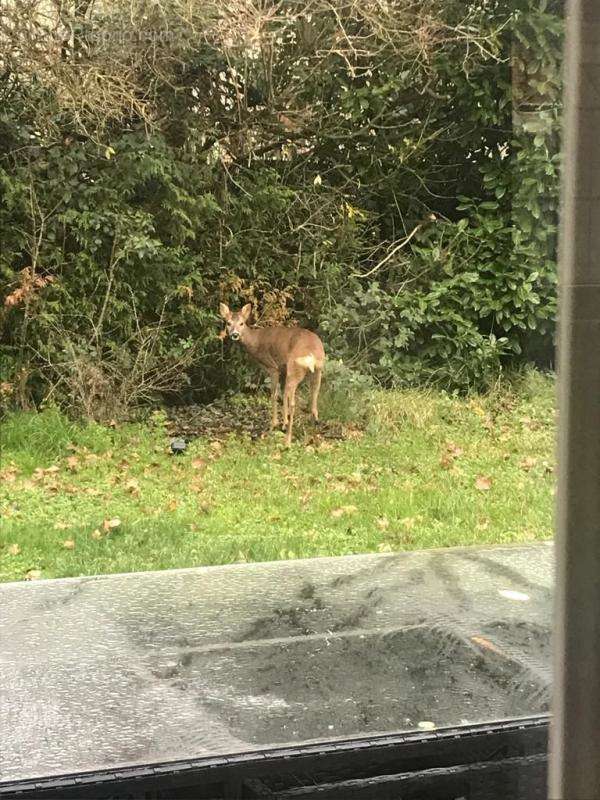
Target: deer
[294, 352]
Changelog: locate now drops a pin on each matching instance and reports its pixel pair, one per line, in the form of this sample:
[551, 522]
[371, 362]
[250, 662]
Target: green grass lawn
[424, 470]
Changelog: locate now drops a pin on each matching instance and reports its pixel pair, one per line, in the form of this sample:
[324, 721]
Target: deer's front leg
[274, 374]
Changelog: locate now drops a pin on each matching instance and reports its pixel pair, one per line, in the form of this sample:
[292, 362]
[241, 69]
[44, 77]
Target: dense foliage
[385, 172]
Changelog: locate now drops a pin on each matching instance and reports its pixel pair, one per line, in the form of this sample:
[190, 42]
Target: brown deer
[293, 351]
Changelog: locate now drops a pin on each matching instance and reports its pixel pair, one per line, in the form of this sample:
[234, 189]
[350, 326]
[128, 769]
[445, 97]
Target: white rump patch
[309, 361]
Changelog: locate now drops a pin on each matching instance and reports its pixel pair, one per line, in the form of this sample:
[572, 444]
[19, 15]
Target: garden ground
[387, 470]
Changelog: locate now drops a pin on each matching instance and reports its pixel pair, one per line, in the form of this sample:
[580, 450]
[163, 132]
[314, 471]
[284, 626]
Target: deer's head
[236, 322]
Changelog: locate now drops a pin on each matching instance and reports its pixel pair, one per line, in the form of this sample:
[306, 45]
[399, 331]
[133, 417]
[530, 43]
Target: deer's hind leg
[294, 377]
[282, 384]
[274, 375]
[314, 394]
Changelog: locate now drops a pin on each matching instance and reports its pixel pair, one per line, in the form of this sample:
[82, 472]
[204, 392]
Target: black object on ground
[178, 446]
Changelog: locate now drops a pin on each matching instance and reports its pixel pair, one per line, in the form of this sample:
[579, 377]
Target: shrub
[302, 172]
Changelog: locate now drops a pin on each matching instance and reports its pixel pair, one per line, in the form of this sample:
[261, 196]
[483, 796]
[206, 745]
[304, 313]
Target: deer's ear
[246, 310]
[224, 311]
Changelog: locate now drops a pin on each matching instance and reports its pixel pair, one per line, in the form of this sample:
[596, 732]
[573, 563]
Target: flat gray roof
[122, 670]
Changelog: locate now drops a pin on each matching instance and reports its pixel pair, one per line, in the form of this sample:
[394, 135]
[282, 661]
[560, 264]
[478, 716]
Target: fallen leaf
[339, 487]
[324, 446]
[61, 526]
[10, 511]
[72, 463]
[110, 524]
[52, 470]
[33, 574]
[353, 433]
[482, 642]
[446, 461]
[96, 534]
[9, 475]
[13, 549]
[340, 512]
[356, 478]
[483, 483]
[528, 463]
[454, 450]
[69, 544]
[133, 487]
[305, 498]
[198, 463]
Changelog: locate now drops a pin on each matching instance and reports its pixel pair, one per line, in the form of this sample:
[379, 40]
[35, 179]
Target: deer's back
[277, 346]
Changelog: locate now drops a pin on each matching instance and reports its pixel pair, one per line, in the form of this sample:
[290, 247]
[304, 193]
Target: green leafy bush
[399, 197]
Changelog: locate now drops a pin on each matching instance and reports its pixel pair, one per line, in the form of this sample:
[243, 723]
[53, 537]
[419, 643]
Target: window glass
[222, 219]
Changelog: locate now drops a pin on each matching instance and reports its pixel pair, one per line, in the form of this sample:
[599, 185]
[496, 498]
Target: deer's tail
[309, 361]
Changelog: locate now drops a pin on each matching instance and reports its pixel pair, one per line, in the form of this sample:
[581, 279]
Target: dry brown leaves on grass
[72, 463]
[483, 483]
[528, 463]
[343, 511]
[132, 487]
[451, 452]
[9, 474]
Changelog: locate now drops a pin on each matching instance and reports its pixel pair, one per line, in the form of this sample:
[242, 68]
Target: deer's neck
[251, 340]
